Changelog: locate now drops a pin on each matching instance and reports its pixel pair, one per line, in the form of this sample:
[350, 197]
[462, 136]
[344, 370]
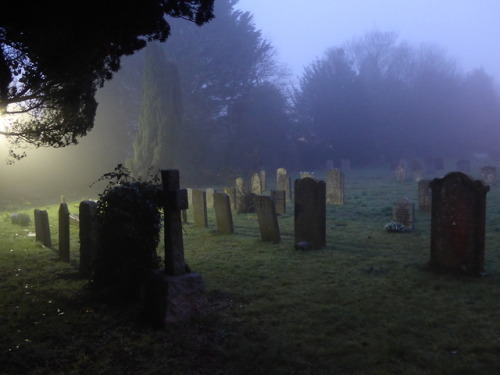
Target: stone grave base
[171, 299]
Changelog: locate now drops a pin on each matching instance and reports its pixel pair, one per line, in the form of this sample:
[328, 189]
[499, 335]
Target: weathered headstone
[243, 200]
[403, 211]
[334, 186]
[488, 174]
[278, 197]
[424, 196]
[256, 184]
[345, 165]
[64, 232]
[284, 183]
[199, 209]
[263, 181]
[310, 212]
[268, 222]
[463, 166]
[42, 228]
[88, 235]
[231, 193]
[458, 223]
[223, 215]
[209, 194]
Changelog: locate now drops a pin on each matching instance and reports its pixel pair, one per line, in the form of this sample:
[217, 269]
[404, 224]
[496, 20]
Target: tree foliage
[54, 55]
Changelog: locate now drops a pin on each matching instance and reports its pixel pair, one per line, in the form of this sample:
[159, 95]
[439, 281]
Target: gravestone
[268, 222]
[417, 169]
[223, 215]
[488, 174]
[403, 211]
[334, 186]
[345, 165]
[88, 235]
[283, 182]
[231, 193]
[209, 194]
[458, 224]
[199, 209]
[20, 219]
[424, 196]
[278, 197]
[176, 294]
[42, 228]
[256, 184]
[310, 213]
[400, 172]
[263, 181]
[306, 174]
[64, 232]
[463, 166]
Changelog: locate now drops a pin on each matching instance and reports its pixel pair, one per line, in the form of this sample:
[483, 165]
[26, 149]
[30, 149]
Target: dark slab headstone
[88, 235]
[334, 186]
[64, 232]
[278, 197]
[424, 196]
[38, 226]
[223, 214]
[310, 212]
[268, 222]
[42, 228]
[458, 223]
[403, 211]
[199, 209]
[488, 174]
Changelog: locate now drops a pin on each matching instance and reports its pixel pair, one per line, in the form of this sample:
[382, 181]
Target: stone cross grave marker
[199, 209]
[278, 197]
[424, 196]
[310, 212]
[209, 194]
[463, 166]
[403, 211]
[88, 235]
[174, 200]
[488, 174]
[268, 221]
[334, 186]
[64, 232]
[223, 215]
[458, 223]
[256, 184]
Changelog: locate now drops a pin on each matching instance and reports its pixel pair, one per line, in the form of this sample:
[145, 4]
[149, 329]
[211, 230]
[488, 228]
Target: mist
[269, 84]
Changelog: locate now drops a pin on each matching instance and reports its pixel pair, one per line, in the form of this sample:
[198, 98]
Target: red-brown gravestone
[310, 213]
[458, 224]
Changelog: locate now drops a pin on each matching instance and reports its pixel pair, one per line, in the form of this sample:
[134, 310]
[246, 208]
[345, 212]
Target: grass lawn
[366, 304]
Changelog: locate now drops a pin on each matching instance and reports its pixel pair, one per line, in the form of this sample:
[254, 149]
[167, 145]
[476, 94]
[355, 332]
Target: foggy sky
[468, 30]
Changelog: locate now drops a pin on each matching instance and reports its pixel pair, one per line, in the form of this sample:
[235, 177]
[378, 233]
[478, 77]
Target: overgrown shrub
[129, 222]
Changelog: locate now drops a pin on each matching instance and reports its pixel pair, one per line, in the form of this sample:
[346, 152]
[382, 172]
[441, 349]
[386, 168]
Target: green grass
[366, 304]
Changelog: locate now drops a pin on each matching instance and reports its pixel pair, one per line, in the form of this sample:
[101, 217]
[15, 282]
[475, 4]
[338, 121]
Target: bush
[129, 223]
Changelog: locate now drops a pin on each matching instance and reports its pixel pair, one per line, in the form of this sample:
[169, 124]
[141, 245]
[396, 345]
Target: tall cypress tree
[159, 115]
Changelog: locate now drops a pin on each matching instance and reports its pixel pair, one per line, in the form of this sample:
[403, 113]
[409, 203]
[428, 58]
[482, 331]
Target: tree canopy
[55, 54]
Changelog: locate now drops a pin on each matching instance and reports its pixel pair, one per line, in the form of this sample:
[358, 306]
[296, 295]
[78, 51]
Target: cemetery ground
[365, 304]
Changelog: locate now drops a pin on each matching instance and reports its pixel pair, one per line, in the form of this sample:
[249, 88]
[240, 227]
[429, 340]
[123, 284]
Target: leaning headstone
[199, 208]
[345, 165]
[278, 197]
[424, 196]
[458, 224]
[334, 186]
[88, 235]
[403, 211]
[223, 215]
[209, 194]
[256, 184]
[38, 226]
[488, 174]
[43, 229]
[463, 166]
[310, 212]
[174, 295]
[268, 222]
[64, 232]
